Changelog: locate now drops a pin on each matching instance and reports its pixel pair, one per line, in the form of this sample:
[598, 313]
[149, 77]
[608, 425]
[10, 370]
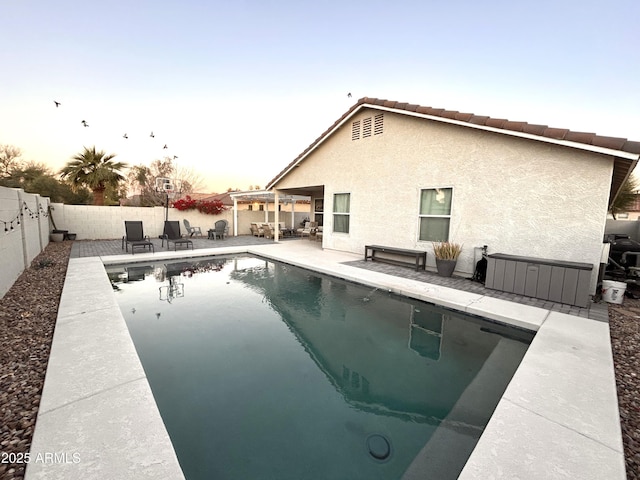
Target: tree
[9, 159]
[141, 181]
[94, 170]
[38, 178]
[626, 197]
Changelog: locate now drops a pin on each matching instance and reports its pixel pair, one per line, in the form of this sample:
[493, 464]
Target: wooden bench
[419, 256]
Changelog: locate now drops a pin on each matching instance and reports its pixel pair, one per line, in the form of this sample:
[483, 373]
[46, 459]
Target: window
[341, 206]
[318, 212]
[435, 214]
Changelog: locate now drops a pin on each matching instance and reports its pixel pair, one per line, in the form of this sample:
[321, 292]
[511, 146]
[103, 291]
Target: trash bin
[613, 292]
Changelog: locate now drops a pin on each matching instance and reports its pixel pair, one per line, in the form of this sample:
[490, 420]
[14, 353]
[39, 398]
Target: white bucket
[613, 292]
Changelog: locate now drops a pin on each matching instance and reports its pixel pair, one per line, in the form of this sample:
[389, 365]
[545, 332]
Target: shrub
[208, 207]
[447, 250]
[213, 207]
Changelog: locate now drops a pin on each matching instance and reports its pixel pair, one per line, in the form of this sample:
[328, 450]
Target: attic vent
[366, 127]
[355, 130]
[378, 124]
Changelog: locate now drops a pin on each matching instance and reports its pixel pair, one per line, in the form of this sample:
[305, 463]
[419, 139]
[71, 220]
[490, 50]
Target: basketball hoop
[169, 190]
[161, 183]
[172, 291]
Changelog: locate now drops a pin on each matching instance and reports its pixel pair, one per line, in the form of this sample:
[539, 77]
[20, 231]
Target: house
[403, 175]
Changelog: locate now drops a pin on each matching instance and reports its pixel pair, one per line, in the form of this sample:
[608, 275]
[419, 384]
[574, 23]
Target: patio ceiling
[269, 196]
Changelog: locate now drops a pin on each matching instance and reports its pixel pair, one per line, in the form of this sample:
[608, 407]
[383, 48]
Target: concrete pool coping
[98, 419]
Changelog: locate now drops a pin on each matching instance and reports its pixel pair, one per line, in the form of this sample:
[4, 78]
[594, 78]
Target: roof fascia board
[513, 133]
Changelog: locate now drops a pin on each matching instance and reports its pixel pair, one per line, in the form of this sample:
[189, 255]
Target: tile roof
[622, 166]
[613, 143]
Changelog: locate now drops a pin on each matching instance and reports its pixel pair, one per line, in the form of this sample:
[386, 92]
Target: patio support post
[235, 217]
[266, 210]
[276, 215]
[293, 213]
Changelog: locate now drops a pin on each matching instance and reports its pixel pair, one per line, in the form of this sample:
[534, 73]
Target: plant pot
[57, 237]
[445, 267]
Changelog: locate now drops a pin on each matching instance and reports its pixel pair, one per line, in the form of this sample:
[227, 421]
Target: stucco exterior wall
[517, 196]
[22, 243]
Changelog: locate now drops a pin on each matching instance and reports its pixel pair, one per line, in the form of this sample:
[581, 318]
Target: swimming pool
[264, 370]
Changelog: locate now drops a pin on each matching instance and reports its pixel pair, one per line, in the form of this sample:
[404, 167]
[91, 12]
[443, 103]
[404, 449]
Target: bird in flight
[349, 95]
[125, 136]
[57, 103]
[152, 135]
[165, 147]
[84, 123]
[175, 156]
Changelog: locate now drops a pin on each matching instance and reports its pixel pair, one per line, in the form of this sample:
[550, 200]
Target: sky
[236, 90]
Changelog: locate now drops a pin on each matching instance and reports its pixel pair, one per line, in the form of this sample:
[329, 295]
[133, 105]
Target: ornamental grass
[447, 250]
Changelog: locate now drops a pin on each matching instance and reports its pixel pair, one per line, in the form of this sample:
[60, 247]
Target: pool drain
[379, 447]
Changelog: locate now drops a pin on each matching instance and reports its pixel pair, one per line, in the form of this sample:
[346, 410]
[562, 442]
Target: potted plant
[446, 254]
[58, 235]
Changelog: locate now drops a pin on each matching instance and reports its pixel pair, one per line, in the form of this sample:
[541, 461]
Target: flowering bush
[186, 203]
[209, 207]
[213, 207]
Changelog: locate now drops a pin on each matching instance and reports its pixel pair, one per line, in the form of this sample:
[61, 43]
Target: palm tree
[95, 170]
[626, 198]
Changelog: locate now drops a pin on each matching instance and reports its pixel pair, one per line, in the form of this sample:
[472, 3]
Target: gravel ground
[27, 318]
[28, 314]
[624, 323]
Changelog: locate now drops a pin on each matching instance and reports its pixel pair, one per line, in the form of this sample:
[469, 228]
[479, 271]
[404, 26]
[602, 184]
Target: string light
[40, 212]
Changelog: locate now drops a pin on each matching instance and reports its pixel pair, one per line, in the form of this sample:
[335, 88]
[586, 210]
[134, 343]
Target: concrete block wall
[28, 215]
[90, 222]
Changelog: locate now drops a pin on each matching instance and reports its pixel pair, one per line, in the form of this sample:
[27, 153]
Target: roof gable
[625, 152]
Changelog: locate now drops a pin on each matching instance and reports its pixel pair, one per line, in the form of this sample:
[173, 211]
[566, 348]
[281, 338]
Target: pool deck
[558, 417]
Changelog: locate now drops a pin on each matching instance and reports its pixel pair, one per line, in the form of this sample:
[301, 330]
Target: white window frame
[421, 216]
[334, 213]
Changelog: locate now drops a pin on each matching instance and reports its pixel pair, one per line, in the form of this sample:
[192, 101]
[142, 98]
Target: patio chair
[134, 236]
[256, 230]
[171, 234]
[219, 230]
[309, 228]
[268, 231]
[191, 230]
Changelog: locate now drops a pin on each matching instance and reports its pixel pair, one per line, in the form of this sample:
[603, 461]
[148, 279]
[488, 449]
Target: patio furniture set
[134, 235]
[266, 230]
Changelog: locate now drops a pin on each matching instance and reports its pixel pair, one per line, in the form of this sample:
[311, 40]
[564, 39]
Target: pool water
[262, 370]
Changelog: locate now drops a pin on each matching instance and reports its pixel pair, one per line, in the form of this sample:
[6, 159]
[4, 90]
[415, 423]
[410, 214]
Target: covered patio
[263, 199]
